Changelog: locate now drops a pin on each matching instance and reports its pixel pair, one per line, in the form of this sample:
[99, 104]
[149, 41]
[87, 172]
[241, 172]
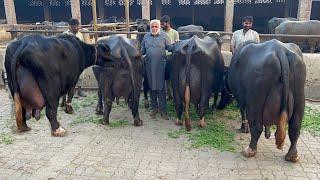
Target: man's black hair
[73, 22]
[247, 18]
[165, 19]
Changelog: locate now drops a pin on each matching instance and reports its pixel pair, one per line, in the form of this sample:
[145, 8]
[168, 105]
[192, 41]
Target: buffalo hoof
[99, 111]
[292, 157]
[248, 152]
[202, 123]
[244, 128]
[178, 122]
[138, 122]
[146, 104]
[23, 129]
[188, 125]
[68, 109]
[105, 122]
[60, 132]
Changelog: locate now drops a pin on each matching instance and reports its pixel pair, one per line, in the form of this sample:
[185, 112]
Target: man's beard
[156, 32]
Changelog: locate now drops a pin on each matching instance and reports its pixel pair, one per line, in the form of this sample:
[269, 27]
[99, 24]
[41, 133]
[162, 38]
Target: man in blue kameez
[154, 46]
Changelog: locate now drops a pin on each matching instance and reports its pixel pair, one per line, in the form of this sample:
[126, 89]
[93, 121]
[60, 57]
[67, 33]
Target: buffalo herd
[266, 79]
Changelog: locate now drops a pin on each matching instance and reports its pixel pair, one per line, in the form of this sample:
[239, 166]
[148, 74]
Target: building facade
[221, 15]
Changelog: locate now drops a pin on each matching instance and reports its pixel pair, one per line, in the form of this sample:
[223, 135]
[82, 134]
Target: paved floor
[92, 151]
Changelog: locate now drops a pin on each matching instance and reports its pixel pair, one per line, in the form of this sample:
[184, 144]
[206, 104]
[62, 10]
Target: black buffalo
[193, 30]
[143, 25]
[42, 69]
[119, 74]
[197, 69]
[267, 80]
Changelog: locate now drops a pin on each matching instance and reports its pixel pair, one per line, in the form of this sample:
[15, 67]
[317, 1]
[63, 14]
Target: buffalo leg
[178, 107]
[244, 123]
[169, 90]
[294, 131]
[215, 99]
[145, 93]
[107, 109]
[68, 108]
[256, 129]
[202, 106]
[134, 105]
[97, 72]
[63, 101]
[99, 108]
[51, 112]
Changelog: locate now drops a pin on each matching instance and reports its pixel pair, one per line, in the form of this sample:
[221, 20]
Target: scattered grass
[118, 123]
[175, 134]
[6, 138]
[216, 135]
[87, 119]
[311, 120]
[90, 100]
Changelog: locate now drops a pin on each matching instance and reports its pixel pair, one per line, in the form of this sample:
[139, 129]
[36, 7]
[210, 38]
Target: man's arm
[232, 44]
[176, 37]
[257, 37]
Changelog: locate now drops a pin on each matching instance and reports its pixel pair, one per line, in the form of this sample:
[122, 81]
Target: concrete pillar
[304, 10]
[75, 9]
[46, 10]
[10, 11]
[100, 4]
[145, 9]
[158, 9]
[228, 15]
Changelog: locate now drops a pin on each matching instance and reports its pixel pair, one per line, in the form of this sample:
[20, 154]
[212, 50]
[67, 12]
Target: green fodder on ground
[218, 134]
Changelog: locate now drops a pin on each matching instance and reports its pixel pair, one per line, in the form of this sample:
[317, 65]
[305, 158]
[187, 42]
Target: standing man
[244, 34]
[173, 36]
[74, 30]
[154, 46]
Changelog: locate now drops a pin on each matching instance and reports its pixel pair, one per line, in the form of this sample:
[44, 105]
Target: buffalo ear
[216, 36]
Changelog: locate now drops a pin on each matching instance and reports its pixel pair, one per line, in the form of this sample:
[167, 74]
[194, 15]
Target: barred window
[54, 3]
[86, 2]
[139, 2]
[184, 2]
[34, 3]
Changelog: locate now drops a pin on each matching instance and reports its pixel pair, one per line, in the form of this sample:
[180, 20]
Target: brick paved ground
[92, 151]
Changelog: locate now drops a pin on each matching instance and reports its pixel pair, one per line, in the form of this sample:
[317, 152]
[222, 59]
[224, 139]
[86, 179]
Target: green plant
[118, 123]
[6, 138]
[311, 120]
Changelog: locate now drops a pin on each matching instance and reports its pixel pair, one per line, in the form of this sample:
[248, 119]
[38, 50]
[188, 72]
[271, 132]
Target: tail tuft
[281, 129]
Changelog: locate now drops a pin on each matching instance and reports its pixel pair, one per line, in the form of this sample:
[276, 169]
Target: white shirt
[78, 35]
[239, 37]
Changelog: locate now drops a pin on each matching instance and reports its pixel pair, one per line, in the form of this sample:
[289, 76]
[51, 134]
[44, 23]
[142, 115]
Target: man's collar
[243, 31]
[169, 29]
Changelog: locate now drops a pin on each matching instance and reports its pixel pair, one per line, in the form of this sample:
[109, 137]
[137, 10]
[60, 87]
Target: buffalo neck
[90, 55]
